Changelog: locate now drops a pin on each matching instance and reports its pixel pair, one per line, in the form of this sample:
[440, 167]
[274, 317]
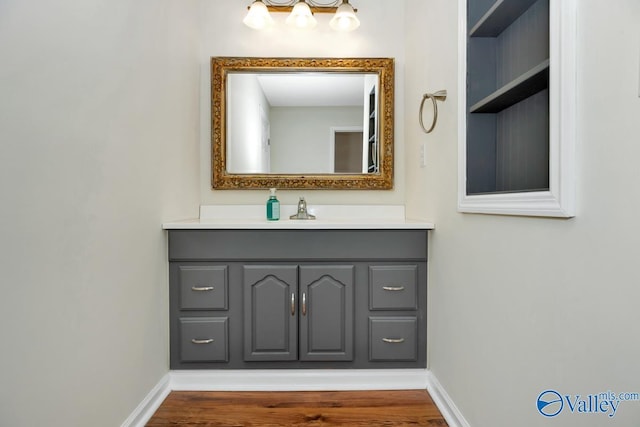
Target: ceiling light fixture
[301, 13]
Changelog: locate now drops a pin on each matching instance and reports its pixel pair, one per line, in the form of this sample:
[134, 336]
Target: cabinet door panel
[326, 312]
[270, 297]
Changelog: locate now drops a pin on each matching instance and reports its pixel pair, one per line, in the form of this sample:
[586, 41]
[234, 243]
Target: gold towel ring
[440, 95]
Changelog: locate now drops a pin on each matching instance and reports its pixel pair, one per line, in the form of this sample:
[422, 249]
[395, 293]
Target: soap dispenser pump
[273, 207]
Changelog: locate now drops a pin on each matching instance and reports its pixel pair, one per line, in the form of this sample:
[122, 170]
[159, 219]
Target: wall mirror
[317, 123]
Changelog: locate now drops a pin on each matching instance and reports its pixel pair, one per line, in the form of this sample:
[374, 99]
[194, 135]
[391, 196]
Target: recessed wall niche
[507, 96]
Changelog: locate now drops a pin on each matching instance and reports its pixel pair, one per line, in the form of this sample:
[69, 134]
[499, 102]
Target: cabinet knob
[207, 341]
[202, 288]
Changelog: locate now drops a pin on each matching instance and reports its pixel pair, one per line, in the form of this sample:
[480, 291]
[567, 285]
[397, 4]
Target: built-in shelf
[517, 142]
[527, 84]
[499, 16]
[508, 72]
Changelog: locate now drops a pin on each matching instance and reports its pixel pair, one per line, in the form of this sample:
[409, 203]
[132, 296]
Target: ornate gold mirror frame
[222, 179]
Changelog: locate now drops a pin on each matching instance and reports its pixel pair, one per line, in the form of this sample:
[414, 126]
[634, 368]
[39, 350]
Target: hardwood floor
[258, 409]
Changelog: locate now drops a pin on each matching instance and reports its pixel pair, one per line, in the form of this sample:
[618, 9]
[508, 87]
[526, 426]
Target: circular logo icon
[550, 403]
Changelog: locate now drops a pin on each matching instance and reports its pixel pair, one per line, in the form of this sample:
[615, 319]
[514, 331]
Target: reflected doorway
[347, 150]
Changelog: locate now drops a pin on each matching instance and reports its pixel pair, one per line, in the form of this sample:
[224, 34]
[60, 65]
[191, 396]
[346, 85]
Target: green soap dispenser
[273, 207]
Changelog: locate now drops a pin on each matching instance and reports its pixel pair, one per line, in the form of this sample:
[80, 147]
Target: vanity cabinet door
[270, 312]
[326, 312]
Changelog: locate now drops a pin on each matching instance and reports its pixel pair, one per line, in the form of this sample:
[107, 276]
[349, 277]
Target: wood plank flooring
[336, 408]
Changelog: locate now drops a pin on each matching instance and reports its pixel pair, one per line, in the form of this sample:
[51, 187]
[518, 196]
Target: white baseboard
[448, 409]
[296, 380]
[149, 404]
[299, 380]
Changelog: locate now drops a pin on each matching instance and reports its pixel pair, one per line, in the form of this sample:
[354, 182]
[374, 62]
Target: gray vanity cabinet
[302, 299]
[298, 312]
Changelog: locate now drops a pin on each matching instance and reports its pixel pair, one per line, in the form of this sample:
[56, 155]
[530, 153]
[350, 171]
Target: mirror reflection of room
[302, 123]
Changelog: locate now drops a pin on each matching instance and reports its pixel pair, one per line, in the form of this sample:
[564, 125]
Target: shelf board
[500, 16]
[529, 83]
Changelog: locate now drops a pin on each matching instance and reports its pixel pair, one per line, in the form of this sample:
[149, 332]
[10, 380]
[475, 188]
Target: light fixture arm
[301, 13]
[317, 6]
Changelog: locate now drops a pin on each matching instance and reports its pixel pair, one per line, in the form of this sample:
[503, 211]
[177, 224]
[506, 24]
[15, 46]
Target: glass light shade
[258, 16]
[301, 16]
[345, 18]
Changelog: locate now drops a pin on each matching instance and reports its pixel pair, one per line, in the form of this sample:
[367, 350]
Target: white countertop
[328, 217]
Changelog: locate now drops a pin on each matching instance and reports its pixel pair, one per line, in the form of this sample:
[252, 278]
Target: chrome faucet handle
[302, 205]
[302, 211]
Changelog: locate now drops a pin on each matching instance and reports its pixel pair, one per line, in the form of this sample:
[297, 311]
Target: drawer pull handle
[293, 304]
[207, 341]
[393, 288]
[393, 340]
[201, 288]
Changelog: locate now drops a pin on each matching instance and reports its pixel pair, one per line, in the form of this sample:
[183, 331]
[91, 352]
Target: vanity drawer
[203, 287]
[203, 339]
[393, 339]
[393, 287]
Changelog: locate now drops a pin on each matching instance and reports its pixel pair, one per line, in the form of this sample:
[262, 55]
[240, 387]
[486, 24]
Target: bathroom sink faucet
[302, 211]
